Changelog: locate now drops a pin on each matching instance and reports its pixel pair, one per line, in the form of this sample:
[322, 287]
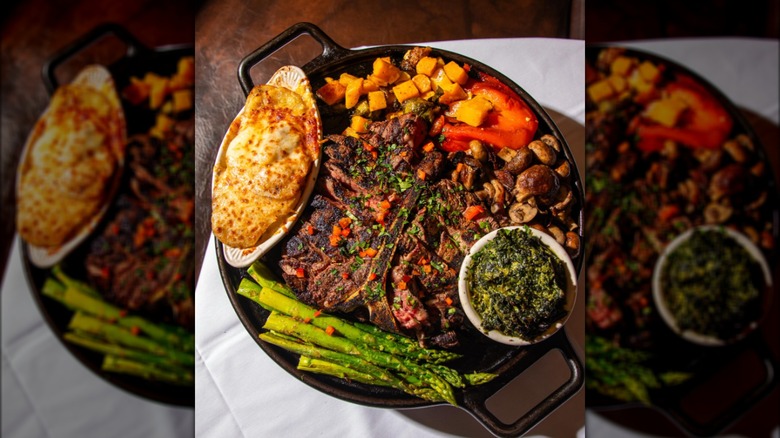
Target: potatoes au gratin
[71, 160]
[264, 164]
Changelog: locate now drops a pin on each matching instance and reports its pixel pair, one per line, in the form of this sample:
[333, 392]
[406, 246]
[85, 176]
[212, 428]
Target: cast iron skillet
[136, 61]
[481, 354]
[705, 362]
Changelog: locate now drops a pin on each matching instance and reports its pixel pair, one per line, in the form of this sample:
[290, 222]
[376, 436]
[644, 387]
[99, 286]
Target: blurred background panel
[46, 390]
[734, 46]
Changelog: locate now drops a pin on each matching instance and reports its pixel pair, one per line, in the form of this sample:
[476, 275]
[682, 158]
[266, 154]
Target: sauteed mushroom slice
[537, 180]
[517, 161]
[543, 152]
[523, 212]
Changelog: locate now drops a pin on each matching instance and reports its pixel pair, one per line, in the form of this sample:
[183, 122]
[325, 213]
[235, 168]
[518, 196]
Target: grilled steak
[385, 233]
[142, 260]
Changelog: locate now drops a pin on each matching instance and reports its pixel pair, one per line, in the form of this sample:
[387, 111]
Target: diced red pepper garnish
[345, 222]
[122, 313]
[667, 212]
[448, 300]
[135, 331]
[300, 273]
[421, 174]
[385, 204]
[370, 252]
[310, 229]
[406, 278]
[371, 276]
[330, 330]
[473, 212]
[428, 147]
[345, 232]
[317, 313]
[401, 285]
[345, 275]
[335, 240]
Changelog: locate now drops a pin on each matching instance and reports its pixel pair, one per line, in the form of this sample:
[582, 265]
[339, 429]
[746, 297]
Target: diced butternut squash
[649, 71]
[158, 89]
[349, 132]
[377, 80]
[359, 124]
[403, 77]
[456, 73]
[452, 92]
[346, 78]
[665, 111]
[473, 111]
[618, 83]
[369, 86]
[182, 100]
[600, 90]
[638, 83]
[137, 91]
[163, 124]
[439, 79]
[332, 92]
[352, 94]
[376, 100]
[621, 65]
[422, 82]
[385, 71]
[405, 90]
[426, 66]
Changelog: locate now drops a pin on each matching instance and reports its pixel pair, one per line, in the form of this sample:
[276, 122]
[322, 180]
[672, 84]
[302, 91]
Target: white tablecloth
[746, 71]
[240, 391]
[46, 392]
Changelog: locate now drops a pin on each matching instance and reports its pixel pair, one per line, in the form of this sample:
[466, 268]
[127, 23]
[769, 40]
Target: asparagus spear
[97, 327]
[72, 282]
[272, 299]
[263, 276]
[146, 371]
[76, 299]
[287, 325]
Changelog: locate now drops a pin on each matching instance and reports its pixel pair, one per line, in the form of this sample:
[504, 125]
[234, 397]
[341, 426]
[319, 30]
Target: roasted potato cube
[427, 65]
[473, 111]
[376, 100]
[456, 73]
[405, 90]
[332, 92]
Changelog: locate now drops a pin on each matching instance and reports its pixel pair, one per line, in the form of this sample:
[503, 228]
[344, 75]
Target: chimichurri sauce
[712, 285]
[517, 284]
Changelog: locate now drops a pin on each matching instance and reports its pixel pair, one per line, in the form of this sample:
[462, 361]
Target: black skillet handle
[330, 50]
[739, 407]
[83, 43]
[477, 407]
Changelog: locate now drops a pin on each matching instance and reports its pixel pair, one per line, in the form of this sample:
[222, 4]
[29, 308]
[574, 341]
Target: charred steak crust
[385, 233]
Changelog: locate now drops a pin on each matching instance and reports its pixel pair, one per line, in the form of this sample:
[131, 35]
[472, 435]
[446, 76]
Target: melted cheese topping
[70, 164]
[260, 179]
